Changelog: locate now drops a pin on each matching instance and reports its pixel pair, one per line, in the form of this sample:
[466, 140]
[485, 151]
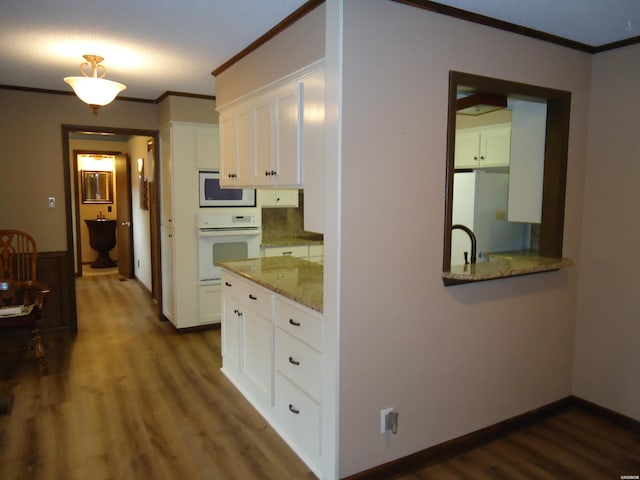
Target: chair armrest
[36, 284]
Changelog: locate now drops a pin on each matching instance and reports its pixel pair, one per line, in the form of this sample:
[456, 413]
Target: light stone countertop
[503, 265]
[293, 278]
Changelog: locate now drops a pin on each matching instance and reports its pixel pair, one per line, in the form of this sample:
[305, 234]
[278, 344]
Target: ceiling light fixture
[94, 90]
[480, 103]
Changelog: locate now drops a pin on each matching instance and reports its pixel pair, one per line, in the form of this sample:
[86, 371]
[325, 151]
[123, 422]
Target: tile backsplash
[283, 222]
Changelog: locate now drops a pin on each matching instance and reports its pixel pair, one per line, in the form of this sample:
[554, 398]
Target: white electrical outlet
[383, 419]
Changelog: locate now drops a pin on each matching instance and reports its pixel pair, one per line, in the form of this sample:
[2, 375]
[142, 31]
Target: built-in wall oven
[226, 235]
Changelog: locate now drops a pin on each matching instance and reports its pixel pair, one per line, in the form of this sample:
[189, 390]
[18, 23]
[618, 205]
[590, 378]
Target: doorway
[134, 205]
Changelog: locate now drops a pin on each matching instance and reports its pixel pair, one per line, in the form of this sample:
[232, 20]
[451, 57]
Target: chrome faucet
[473, 242]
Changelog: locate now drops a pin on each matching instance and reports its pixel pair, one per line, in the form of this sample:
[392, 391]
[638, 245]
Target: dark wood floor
[129, 398]
[573, 444]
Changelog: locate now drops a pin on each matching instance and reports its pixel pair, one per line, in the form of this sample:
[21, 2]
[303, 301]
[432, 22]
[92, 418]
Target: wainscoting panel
[55, 269]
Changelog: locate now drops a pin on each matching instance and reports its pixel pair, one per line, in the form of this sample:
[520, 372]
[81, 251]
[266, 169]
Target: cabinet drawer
[229, 284]
[248, 294]
[299, 322]
[300, 251]
[299, 417]
[300, 363]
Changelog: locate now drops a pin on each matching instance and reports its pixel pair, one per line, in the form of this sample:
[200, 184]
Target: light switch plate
[52, 202]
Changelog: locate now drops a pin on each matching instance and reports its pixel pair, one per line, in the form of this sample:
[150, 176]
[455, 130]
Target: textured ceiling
[153, 46]
[149, 45]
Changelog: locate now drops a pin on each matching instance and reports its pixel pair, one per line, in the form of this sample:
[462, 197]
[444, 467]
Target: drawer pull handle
[227, 284]
[293, 409]
[294, 323]
[253, 297]
[293, 361]
[287, 254]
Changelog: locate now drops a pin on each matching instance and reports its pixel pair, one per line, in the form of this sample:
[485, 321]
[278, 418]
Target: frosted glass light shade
[95, 91]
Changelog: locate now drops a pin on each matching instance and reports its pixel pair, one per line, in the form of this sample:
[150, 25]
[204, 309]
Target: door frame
[76, 182]
[154, 203]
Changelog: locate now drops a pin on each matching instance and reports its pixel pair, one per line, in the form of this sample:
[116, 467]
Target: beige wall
[31, 156]
[450, 360]
[294, 48]
[607, 352]
[187, 109]
[137, 148]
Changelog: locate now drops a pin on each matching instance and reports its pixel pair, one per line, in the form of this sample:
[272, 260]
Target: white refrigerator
[480, 202]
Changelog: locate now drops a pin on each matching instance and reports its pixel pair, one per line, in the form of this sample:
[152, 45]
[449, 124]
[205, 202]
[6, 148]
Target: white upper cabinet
[526, 173]
[236, 147]
[483, 147]
[206, 146]
[285, 165]
[269, 197]
[262, 136]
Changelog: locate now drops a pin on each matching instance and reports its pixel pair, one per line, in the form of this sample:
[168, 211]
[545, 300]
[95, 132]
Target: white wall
[450, 360]
[607, 352]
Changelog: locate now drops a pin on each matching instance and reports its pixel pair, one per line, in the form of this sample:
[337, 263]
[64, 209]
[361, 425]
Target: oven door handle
[236, 232]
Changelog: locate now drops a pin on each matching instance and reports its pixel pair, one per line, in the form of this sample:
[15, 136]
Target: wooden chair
[22, 296]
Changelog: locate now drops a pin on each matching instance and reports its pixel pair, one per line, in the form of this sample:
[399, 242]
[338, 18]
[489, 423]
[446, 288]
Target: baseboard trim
[457, 446]
[611, 415]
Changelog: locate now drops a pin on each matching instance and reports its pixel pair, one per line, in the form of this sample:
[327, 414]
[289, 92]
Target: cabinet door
[313, 150]
[236, 147]
[228, 149]
[231, 335]
[467, 148]
[210, 304]
[168, 305]
[257, 355]
[166, 194]
[495, 148]
[287, 107]
[245, 166]
[263, 139]
[526, 170]
[207, 148]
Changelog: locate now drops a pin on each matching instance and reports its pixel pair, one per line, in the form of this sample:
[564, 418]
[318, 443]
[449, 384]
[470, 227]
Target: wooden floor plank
[131, 398]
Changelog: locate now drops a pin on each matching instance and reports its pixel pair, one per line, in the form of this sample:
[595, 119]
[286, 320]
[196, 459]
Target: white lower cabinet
[313, 253]
[316, 253]
[257, 354]
[272, 351]
[299, 251]
[209, 302]
[231, 335]
[298, 417]
[247, 338]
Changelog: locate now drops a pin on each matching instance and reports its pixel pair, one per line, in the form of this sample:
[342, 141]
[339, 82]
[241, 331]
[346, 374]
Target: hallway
[130, 398]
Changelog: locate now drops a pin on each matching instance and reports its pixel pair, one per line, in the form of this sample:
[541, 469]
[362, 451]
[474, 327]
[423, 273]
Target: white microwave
[212, 195]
